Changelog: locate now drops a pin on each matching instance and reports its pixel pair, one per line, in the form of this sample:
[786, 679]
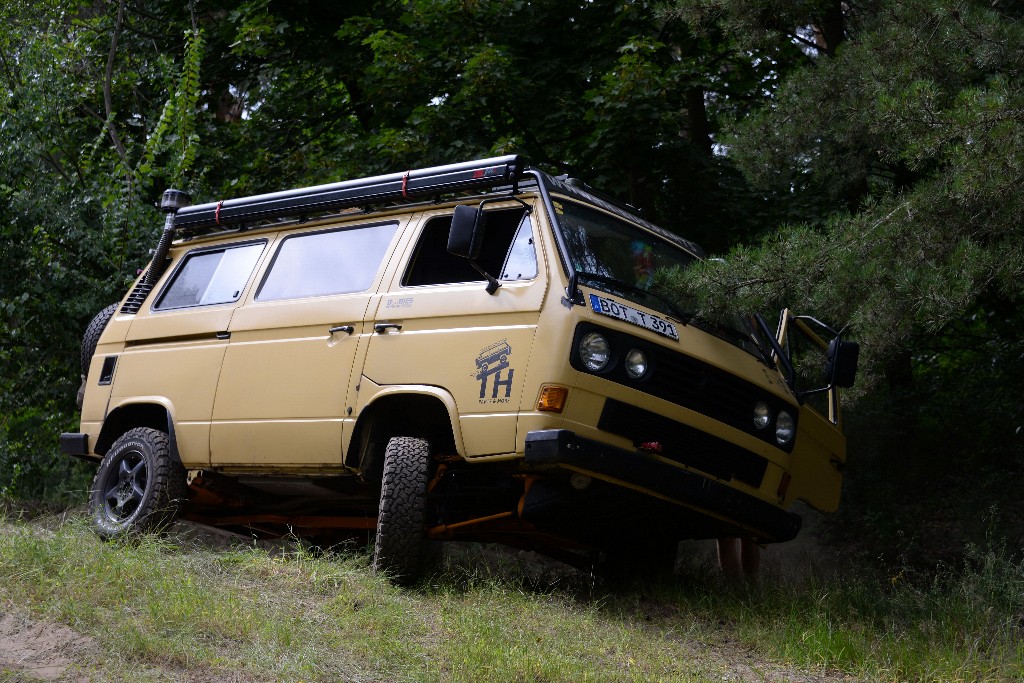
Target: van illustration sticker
[492, 362]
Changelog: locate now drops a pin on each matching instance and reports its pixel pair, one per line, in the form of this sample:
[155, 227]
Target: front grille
[137, 296]
[690, 383]
[684, 444]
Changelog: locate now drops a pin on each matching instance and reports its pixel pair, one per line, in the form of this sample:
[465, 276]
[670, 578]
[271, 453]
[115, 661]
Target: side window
[324, 263]
[215, 276]
[507, 253]
[521, 260]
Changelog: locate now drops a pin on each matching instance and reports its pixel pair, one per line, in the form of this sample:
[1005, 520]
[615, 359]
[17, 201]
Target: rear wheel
[400, 546]
[138, 487]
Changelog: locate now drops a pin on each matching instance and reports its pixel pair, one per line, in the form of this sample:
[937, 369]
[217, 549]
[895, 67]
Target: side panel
[284, 392]
[176, 355]
[283, 389]
[97, 396]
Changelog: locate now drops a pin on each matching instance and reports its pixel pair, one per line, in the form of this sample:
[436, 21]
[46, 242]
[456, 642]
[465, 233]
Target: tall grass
[168, 609]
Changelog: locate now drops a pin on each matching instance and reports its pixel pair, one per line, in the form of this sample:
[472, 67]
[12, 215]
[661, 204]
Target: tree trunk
[830, 28]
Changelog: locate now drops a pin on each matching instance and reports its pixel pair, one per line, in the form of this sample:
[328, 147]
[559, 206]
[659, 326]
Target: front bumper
[706, 507]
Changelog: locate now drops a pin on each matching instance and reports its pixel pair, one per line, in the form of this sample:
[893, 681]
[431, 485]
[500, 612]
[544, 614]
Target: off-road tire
[138, 487]
[92, 335]
[400, 547]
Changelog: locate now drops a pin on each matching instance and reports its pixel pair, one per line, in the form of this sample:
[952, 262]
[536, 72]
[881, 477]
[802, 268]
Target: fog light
[636, 363]
[785, 427]
[595, 352]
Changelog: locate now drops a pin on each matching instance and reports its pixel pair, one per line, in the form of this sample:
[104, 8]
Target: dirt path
[40, 651]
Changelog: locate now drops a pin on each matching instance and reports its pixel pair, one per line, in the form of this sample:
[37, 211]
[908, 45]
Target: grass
[173, 609]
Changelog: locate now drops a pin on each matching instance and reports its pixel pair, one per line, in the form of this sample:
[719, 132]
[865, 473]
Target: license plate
[649, 321]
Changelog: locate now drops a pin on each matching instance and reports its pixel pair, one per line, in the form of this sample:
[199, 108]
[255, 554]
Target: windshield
[610, 254]
[618, 257]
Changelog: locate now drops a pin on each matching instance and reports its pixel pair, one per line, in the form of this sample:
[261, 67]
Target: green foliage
[81, 151]
[175, 131]
[896, 155]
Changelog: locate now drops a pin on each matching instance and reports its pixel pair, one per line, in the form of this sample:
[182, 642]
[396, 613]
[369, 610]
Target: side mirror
[467, 233]
[841, 363]
[467, 236]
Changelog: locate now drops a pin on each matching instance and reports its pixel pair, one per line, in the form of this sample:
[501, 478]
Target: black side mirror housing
[841, 363]
[467, 232]
[466, 237]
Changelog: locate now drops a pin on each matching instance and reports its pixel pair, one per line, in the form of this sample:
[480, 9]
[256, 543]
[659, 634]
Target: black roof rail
[468, 175]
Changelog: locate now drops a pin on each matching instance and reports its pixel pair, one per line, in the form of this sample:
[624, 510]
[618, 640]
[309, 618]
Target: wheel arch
[420, 411]
[122, 419]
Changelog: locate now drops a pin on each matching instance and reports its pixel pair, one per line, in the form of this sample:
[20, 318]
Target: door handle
[382, 328]
[223, 336]
[347, 329]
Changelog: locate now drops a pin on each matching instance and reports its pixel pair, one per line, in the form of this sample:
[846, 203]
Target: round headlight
[762, 415]
[785, 427]
[595, 351]
[636, 363]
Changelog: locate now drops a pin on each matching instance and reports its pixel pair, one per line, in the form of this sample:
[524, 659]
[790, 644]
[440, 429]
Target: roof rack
[377, 189]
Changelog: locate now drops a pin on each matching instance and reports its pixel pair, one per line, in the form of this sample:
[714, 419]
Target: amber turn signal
[552, 399]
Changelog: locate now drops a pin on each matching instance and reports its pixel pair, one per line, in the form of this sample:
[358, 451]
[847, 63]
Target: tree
[900, 144]
[97, 115]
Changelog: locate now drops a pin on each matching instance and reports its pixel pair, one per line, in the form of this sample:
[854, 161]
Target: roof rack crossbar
[393, 187]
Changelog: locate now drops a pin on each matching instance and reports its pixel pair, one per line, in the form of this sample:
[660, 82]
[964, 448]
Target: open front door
[820, 452]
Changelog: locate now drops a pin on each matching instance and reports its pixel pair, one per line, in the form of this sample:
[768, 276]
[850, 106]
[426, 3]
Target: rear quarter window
[211, 276]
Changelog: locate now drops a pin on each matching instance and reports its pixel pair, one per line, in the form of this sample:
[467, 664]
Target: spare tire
[92, 335]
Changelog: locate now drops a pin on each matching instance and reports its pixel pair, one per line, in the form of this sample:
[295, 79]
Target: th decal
[490, 367]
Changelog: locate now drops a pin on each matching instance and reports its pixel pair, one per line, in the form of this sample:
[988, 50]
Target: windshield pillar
[573, 296]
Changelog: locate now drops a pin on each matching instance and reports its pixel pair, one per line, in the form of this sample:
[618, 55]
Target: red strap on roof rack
[405, 184]
[216, 214]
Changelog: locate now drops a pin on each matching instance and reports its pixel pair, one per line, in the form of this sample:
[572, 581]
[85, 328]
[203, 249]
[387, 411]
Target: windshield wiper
[624, 288]
[735, 336]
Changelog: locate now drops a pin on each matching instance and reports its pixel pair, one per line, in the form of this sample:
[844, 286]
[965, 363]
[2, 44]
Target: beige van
[472, 351]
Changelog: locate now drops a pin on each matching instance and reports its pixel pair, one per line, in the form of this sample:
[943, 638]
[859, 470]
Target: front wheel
[400, 546]
[138, 487]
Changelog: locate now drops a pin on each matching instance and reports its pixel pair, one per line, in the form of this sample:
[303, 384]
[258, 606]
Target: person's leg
[729, 557]
[750, 556]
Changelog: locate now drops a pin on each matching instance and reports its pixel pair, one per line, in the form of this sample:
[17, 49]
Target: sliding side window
[211, 276]
[327, 262]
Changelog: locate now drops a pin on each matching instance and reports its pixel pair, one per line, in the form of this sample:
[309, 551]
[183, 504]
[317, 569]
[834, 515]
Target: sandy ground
[40, 651]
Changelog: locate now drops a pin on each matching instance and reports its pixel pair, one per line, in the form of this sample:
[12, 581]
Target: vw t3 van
[477, 351]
